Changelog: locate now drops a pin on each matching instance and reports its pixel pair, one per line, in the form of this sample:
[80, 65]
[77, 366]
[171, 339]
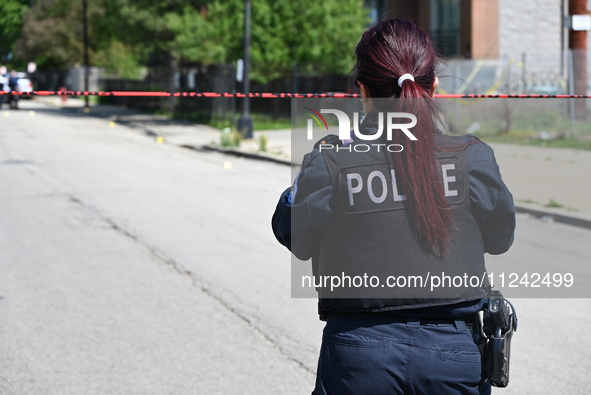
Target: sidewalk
[543, 177]
[549, 183]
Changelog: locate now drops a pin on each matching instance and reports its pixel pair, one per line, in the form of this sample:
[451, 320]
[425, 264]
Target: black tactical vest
[373, 252]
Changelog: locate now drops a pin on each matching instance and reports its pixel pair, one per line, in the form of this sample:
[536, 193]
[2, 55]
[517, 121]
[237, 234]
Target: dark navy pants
[375, 354]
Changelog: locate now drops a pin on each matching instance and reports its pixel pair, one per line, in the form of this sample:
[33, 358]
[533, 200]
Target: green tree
[52, 35]
[11, 20]
[317, 36]
[123, 34]
[320, 36]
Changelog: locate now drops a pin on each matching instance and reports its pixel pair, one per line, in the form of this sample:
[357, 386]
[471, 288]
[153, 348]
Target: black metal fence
[49, 80]
[218, 78]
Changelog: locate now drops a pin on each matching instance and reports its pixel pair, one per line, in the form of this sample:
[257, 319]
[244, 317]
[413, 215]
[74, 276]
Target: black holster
[500, 322]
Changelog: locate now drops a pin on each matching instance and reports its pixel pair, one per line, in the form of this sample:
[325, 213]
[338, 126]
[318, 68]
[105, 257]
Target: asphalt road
[132, 267]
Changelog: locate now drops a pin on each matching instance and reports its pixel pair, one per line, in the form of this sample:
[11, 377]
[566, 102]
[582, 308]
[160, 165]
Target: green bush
[230, 138]
[263, 142]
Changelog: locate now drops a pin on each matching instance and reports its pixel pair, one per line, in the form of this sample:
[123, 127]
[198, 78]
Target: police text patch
[377, 187]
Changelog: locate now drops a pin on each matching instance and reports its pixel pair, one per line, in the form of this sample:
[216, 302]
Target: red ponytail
[387, 51]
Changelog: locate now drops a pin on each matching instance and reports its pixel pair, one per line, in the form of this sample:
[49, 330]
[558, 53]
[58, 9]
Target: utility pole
[245, 123]
[86, 67]
[577, 42]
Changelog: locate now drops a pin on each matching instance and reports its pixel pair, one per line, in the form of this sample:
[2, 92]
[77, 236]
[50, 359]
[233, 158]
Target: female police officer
[436, 206]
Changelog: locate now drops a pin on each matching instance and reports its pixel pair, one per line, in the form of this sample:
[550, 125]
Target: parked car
[24, 84]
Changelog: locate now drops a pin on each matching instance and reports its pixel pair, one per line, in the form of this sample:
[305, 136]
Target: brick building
[521, 42]
[482, 29]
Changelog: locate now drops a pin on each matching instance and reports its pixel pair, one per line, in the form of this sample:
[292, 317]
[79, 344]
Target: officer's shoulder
[314, 170]
[478, 149]
[475, 149]
[313, 159]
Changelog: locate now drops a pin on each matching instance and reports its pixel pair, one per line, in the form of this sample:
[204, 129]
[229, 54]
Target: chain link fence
[518, 74]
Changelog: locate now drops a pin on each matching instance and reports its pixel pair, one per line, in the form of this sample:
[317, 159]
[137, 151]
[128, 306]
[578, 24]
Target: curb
[242, 154]
[212, 148]
[544, 215]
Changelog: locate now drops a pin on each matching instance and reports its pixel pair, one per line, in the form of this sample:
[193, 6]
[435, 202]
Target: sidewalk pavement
[550, 183]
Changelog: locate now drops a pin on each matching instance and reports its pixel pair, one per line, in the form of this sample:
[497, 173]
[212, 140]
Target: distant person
[13, 87]
[3, 83]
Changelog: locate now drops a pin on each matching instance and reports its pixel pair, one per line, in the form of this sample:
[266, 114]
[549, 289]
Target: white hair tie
[405, 77]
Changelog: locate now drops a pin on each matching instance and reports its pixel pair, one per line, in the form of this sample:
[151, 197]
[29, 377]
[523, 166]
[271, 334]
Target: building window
[445, 26]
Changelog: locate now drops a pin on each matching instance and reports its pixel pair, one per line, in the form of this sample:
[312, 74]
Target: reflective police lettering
[375, 187]
[447, 179]
[358, 187]
[351, 189]
[372, 196]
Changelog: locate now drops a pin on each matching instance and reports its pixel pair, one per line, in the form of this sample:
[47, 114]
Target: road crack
[196, 281]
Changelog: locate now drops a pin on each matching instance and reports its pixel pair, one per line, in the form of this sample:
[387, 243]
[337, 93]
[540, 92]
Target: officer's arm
[492, 203]
[281, 221]
[305, 210]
